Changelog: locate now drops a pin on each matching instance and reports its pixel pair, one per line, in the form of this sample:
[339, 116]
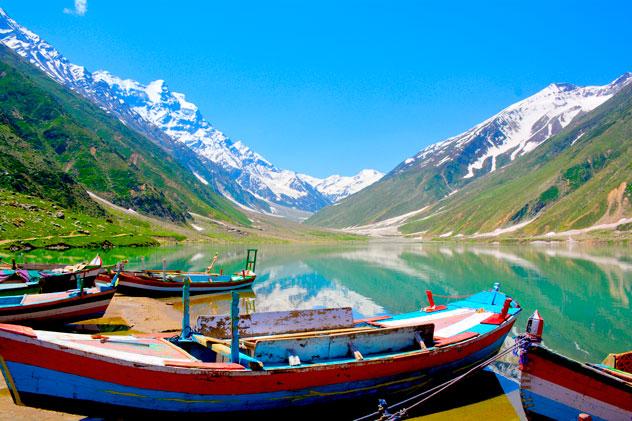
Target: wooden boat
[57, 307]
[16, 288]
[299, 362]
[59, 278]
[140, 283]
[171, 282]
[15, 282]
[557, 387]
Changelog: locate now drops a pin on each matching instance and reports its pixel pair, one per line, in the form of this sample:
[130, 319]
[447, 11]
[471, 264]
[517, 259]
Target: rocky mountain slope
[56, 144]
[579, 181]
[171, 121]
[442, 169]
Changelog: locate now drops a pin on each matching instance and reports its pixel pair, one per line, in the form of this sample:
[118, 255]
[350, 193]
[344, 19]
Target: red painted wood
[371, 319]
[577, 381]
[223, 382]
[21, 330]
[206, 366]
[439, 342]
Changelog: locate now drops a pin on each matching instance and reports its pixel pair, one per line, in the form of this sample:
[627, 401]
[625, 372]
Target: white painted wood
[277, 322]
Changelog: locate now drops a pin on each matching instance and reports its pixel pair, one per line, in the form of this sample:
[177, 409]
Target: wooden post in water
[164, 269]
[186, 328]
[234, 328]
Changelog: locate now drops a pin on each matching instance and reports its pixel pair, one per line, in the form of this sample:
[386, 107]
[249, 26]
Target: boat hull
[557, 387]
[150, 286]
[19, 289]
[66, 281]
[44, 376]
[60, 311]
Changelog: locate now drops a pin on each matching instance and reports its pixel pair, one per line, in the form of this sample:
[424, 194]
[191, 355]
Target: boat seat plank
[277, 322]
[129, 348]
[467, 323]
[315, 349]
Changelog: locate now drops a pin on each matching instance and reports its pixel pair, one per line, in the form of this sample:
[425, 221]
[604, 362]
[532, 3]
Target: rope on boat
[384, 415]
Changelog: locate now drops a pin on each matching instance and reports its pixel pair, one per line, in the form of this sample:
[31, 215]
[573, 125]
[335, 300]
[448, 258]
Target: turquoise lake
[583, 293]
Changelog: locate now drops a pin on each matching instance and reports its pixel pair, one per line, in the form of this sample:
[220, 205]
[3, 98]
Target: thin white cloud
[81, 7]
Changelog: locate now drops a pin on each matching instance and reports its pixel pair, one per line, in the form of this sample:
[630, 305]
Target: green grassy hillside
[31, 222]
[55, 144]
[577, 179]
[393, 195]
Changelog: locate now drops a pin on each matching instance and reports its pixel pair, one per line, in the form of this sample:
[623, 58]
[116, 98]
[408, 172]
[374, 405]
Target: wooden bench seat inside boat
[361, 343]
[277, 322]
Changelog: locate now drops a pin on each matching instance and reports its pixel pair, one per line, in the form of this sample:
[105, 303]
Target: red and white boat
[57, 307]
[298, 362]
[556, 387]
[154, 284]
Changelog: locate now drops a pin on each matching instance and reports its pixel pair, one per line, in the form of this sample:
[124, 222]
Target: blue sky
[329, 87]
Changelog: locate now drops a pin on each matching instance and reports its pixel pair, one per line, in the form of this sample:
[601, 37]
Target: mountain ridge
[579, 181]
[63, 134]
[232, 168]
[442, 168]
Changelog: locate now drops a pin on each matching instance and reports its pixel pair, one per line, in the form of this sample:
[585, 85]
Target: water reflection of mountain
[586, 317]
[584, 298]
[308, 288]
[583, 293]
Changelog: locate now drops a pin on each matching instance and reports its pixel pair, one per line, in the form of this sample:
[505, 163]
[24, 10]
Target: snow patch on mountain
[154, 107]
[182, 121]
[516, 130]
[199, 177]
[337, 187]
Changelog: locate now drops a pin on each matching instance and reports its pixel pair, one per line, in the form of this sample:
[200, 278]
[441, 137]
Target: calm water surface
[583, 293]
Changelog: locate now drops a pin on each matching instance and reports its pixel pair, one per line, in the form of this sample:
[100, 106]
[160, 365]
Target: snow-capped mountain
[447, 167]
[337, 187]
[517, 129]
[234, 169]
[182, 121]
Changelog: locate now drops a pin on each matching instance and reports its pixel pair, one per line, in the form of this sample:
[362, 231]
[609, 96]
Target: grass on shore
[28, 222]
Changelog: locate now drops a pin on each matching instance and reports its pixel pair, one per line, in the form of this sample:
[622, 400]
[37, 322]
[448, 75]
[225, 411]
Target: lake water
[583, 293]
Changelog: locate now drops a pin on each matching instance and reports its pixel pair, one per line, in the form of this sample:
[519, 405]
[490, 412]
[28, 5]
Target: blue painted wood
[185, 333]
[323, 348]
[234, 328]
[543, 406]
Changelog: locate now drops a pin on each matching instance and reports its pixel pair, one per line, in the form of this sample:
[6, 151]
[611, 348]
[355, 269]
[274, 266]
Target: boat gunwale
[126, 278]
[67, 299]
[568, 363]
[395, 357]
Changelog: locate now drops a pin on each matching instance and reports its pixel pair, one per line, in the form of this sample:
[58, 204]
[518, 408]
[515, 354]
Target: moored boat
[140, 283]
[557, 387]
[57, 307]
[171, 282]
[55, 277]
[20, 281]
[284, 360]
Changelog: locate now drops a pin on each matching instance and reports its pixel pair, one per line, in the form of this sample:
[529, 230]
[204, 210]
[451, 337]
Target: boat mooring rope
[420, 398]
